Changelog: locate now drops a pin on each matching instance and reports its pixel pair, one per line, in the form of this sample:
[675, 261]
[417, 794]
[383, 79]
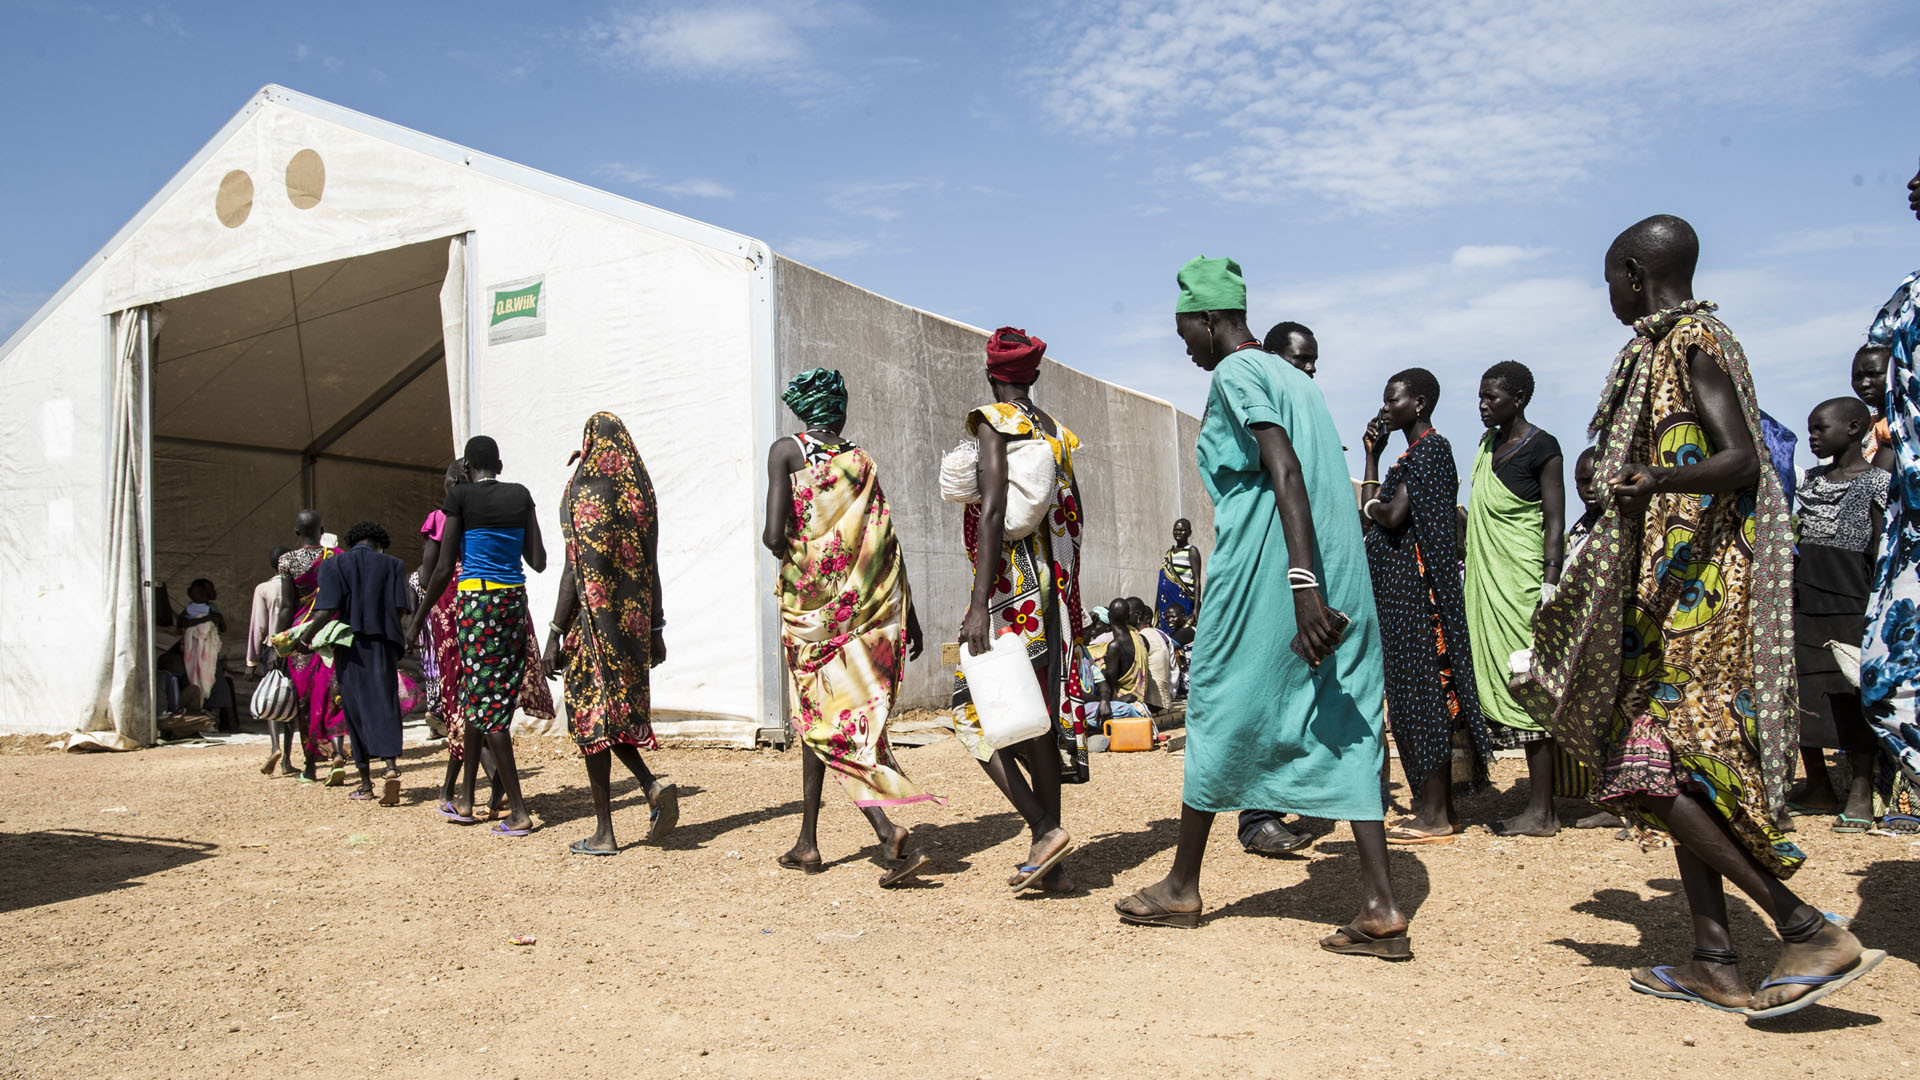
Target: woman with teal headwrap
[1284, 712]
[847, 625]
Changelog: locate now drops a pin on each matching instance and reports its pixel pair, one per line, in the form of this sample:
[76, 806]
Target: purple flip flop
[454, 817]
[502, 830]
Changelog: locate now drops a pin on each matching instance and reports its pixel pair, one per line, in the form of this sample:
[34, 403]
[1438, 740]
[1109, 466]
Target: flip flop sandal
[1850, 825]
[305, 779]
[454, 817]
[502, 830]
[1360, 943]
[1822, 985]
[1800, 809]
[360, 796]
[1665, 986]
[579, 847]
[390, 791]
[666, 811]
[1900, 823]
[913, 861]
[1031, 874]
[1159, 915]
[809, 866]
[1403, 836]
[337, 777]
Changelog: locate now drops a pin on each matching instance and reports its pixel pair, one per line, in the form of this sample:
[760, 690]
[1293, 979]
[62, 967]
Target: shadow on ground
[65, 864]
[1330, 893]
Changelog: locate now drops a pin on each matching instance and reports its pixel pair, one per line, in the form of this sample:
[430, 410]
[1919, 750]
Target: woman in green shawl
[1514, 551]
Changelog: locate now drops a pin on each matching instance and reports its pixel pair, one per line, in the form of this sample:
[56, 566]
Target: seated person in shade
[1160, 650]
[1121, 657]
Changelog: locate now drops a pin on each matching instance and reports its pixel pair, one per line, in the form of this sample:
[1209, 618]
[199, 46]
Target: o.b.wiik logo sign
[519, 310]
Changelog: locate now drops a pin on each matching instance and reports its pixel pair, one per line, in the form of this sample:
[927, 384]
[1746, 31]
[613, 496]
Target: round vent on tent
[306, 179]
[235, 200]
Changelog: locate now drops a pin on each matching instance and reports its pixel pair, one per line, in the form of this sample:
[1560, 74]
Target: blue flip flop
[1671, 990]
[579, 847]
[1822, 985]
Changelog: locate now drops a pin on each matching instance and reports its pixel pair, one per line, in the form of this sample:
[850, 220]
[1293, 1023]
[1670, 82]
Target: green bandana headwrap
[1210, 285]
[817, 396]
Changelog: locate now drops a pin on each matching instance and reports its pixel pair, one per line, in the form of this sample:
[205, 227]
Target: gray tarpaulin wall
[913, 376]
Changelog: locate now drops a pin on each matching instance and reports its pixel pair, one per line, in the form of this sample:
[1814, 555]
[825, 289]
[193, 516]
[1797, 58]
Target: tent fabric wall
[126, 706]
[651, 317]
[453, 334]
[912, 377]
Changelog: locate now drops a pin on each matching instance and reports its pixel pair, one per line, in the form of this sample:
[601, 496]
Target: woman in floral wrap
[847, 624]
[607, 630]
[1029, 586]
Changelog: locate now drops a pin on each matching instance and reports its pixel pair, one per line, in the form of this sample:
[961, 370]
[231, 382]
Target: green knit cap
[1210, 285]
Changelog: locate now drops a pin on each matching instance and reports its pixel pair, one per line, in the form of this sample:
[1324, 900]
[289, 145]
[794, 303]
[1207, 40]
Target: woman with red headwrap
[1032, 588]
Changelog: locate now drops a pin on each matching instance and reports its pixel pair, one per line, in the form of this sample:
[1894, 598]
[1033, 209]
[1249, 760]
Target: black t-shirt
[1520, 469]
[493, 521]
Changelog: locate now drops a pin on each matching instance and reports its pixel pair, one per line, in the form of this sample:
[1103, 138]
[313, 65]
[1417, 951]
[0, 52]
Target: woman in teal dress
[1285, 709]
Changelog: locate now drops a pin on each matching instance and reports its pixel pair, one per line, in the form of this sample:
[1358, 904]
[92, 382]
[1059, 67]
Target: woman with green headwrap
[1285, 709]
[847, 624]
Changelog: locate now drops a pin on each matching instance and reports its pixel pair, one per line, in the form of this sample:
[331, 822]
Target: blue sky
[1428, 185]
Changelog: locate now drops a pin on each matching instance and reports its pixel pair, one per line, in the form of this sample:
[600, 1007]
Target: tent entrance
[322, 387]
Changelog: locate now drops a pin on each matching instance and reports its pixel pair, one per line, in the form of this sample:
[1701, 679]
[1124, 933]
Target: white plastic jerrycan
[1006, 694]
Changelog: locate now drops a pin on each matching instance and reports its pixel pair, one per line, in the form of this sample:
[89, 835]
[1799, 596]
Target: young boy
[1842, 504]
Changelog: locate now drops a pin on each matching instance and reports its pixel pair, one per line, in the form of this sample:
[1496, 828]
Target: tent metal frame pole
[388, 390]
[214, 444]
[144, 515]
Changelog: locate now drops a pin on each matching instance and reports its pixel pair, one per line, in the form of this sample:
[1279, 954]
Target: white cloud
[881, 202]
[619, 172]
[1378, 108]
[825, 249]
[1493, 256]
[752, 40]
[699, 187]
[1842, 238]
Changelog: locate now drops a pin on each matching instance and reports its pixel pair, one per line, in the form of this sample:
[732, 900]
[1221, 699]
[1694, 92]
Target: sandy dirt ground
[173, 912]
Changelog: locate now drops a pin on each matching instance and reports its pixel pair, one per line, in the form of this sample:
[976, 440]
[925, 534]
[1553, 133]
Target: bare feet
[1600, 819]
[1719, 984]
[1832, 951]
[1527, 824]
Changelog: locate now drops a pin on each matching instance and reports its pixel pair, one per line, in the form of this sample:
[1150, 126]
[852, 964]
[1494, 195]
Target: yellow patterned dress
[1036, 592]
[843, 620]
[1704, 691]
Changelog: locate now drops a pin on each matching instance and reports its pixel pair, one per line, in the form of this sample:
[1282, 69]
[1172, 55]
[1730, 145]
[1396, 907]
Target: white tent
[321, 306]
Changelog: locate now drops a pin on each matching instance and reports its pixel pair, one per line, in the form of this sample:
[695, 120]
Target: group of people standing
[1642, 657]
[1660, 658]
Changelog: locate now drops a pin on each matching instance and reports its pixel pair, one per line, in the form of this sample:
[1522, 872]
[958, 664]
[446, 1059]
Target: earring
[1636, 286]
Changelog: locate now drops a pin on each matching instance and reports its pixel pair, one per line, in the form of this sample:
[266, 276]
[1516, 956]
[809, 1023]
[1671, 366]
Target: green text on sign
[518, 304]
